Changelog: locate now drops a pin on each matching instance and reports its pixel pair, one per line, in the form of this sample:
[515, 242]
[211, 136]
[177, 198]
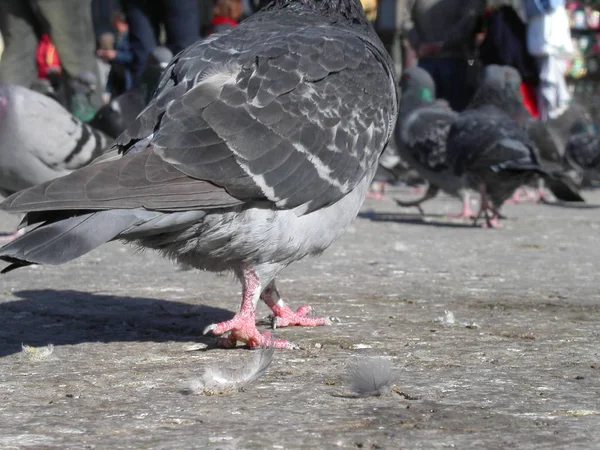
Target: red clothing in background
[46, 57]
[221, 23]
[528, 92]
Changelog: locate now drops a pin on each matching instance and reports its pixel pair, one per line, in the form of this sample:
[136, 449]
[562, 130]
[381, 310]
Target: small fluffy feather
[371, 376]
[219, 380]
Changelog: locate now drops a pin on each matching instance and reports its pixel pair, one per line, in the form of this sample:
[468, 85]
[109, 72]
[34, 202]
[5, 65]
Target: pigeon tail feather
[57, 242]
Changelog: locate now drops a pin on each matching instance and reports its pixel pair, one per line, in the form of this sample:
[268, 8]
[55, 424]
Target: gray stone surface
[520, 368]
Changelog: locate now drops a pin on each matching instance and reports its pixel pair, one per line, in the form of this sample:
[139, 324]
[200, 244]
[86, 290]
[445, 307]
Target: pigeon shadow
[72, 317]
[570, 205]
[415, 219]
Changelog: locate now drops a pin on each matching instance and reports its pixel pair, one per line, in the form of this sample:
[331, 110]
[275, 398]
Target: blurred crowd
[83, 52]
[454, 40]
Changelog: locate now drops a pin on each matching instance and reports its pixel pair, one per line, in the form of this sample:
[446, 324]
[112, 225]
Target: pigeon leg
[283, 316]
[243, 325]
[485, 209]
[521, 195]
[466, 212]
[377, 190]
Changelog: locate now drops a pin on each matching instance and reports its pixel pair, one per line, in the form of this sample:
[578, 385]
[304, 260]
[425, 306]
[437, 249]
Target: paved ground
[520, 368]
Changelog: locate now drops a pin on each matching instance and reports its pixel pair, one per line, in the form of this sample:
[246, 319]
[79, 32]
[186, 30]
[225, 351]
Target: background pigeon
[256, 150]
[501, 88]
[118, 114]
[582, 153]
[494, 153]
[421, 132]
[40, 140]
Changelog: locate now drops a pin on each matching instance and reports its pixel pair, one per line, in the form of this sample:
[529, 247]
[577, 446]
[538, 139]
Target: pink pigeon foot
[466, 212]
[242, 328]
[283, 316]
[493, 222]
[522, 195]
[376, 190]
[243, 325]
[484, 211]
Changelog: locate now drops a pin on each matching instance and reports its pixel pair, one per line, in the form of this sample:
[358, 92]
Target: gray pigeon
[496, 156]
[256, 150]
[582, 153]
[118, 114]
[40, 140]
[501, 88]
[421, 133]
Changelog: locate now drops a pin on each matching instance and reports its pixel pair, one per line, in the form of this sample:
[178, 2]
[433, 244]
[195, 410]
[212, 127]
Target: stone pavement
[518, 368]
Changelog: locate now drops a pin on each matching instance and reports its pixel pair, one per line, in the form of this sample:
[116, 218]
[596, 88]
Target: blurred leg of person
[449, 75]
[70, 26]
[554, 96]
[17, 21]
[142, 17]
[182, 23]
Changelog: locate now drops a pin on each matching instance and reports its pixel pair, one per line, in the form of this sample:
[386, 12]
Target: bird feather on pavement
[421, 132]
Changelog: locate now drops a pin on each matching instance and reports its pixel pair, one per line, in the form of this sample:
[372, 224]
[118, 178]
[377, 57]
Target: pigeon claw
[243, 329]
[283, 316]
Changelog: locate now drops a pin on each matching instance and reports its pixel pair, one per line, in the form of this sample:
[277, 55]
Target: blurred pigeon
[256, 150]
[501, 88]
[391, 169]
[40, 140]
[83, 86]
[44, 86]
[495, 154]
[118, 114]
[421, 131]
[582, 152]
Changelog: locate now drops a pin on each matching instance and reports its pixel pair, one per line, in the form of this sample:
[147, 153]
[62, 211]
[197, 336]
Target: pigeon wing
[296, 120]
[486, 138]
[424, 134]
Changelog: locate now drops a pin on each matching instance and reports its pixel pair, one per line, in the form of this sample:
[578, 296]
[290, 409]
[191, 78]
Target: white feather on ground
[371, 376]
[449, 320]
[219, 380]
[37, 353]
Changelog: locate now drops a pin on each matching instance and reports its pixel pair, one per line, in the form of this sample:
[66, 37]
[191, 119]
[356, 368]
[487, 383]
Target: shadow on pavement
[432, 220]
[72, 317]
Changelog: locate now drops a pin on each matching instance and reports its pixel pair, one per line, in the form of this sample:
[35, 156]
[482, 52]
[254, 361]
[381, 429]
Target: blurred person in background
[442, 32]
[226, 15]
[119, 56]
[391, 27]
[181, 19]
[505, 44]
[69, 25]
[549, 41]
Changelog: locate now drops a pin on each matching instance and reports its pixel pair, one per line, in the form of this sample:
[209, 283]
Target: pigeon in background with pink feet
[421, 133]
[495, 155]
[500, 87]
[256, 150]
